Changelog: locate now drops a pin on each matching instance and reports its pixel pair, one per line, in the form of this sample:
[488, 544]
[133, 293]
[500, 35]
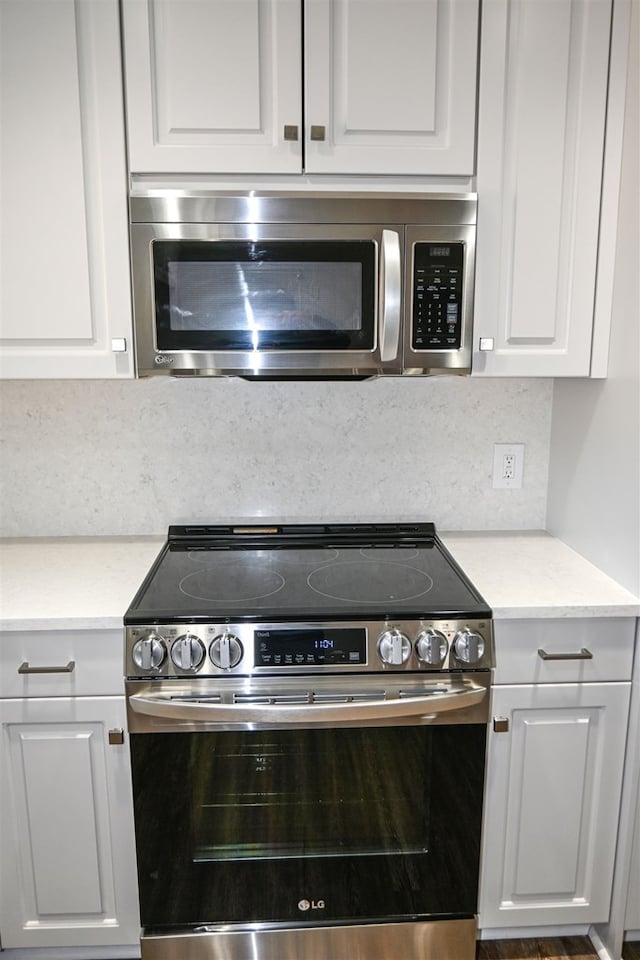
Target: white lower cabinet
[632, 917]
[560, 709]
[552, 804]
[67, 842]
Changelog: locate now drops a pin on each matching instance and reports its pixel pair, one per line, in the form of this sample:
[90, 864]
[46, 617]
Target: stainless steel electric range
[307, 710]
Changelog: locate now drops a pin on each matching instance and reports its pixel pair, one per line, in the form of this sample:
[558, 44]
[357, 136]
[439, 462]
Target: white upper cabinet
[218, 86]
[541, 141]
[64, 275]
[213, 85]
[392, 83]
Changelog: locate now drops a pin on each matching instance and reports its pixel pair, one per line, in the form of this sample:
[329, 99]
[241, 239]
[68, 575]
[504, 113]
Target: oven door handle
[424, 708]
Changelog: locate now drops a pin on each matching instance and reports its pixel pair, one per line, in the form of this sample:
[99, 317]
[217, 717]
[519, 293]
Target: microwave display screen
[245, 295]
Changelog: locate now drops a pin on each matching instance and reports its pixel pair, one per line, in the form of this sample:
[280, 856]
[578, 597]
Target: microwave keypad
[437, 296]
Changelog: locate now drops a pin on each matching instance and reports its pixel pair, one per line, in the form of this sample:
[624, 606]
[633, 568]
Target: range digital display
[310, 647]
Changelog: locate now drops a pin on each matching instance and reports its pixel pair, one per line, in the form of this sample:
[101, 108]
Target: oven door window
[308, 825]
[264, 295]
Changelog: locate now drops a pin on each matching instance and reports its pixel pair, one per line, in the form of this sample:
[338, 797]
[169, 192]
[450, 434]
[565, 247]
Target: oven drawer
[62, 663]
[564, 651]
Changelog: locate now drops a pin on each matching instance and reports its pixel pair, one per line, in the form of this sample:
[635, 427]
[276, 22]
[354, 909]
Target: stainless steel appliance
[266, 285]
[307, 709]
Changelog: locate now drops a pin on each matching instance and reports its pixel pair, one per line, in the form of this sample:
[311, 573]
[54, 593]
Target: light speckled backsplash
[96, 458]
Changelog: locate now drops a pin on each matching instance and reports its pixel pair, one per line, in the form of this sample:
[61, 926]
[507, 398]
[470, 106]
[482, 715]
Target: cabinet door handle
[25, 667]
[318, 132]
[582, 654]
[290, 131]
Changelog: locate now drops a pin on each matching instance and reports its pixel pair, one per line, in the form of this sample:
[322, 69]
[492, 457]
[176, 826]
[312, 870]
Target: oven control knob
[468, 646]
[432, 647]
[187, 652]
[149, 653]
[394, 647]
[226, 651]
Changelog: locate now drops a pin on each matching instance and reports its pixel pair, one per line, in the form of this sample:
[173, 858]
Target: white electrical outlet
[508, 466]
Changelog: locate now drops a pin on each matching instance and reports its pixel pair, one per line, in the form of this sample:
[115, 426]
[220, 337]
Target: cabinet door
[552, 800]
[64, 268]
[542, 111]
[390, 86]
[632, 919]
[211, 86]
[67, 841]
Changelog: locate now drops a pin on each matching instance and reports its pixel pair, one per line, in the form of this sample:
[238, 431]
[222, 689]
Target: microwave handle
[390, 289]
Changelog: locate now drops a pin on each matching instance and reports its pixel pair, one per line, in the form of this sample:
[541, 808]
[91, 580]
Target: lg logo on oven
[310, 904]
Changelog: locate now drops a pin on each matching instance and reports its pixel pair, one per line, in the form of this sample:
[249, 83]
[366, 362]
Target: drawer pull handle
[26, 668]
[583, 654]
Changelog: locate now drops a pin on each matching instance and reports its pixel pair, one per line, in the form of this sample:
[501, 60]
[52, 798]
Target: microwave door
[269, 301]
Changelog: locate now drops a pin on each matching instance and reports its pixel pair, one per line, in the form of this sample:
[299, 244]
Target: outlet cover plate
[500, 480]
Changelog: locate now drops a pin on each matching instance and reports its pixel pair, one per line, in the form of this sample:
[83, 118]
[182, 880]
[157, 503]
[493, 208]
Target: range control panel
[210, 649]
[437, 296]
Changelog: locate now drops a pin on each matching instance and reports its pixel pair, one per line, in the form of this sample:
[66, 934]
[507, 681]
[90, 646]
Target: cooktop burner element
[371, 581]
[313, 597]
[231, 583]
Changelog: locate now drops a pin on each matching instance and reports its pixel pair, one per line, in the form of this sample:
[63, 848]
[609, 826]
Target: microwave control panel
[437, 296]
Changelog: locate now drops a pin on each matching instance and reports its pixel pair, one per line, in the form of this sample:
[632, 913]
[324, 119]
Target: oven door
[270, 804]
[267, 300]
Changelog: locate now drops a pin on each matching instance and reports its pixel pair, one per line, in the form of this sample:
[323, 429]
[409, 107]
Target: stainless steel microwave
[296, 286]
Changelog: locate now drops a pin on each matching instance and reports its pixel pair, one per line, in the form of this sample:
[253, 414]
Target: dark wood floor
[553, 948]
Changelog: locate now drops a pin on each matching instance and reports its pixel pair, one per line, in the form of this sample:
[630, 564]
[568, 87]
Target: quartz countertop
[74, 583]
[530, 574]
[88, 583]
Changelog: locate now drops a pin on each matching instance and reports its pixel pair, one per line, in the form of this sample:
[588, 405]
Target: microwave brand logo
[310, 904]
[160, 359]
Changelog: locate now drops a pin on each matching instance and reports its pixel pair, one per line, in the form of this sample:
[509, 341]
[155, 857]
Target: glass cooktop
[293, 572]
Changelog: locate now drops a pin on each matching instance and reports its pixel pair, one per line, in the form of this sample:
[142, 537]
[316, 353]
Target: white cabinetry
[232, 86]
[544, 82]
[67, 851]
[64, 277]
[393, 83]
[554, 777]
[632, 917]
[211, 85]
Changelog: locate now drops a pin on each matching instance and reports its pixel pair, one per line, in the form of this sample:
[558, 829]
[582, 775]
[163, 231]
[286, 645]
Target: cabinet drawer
[563, 651]
[63, 663]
